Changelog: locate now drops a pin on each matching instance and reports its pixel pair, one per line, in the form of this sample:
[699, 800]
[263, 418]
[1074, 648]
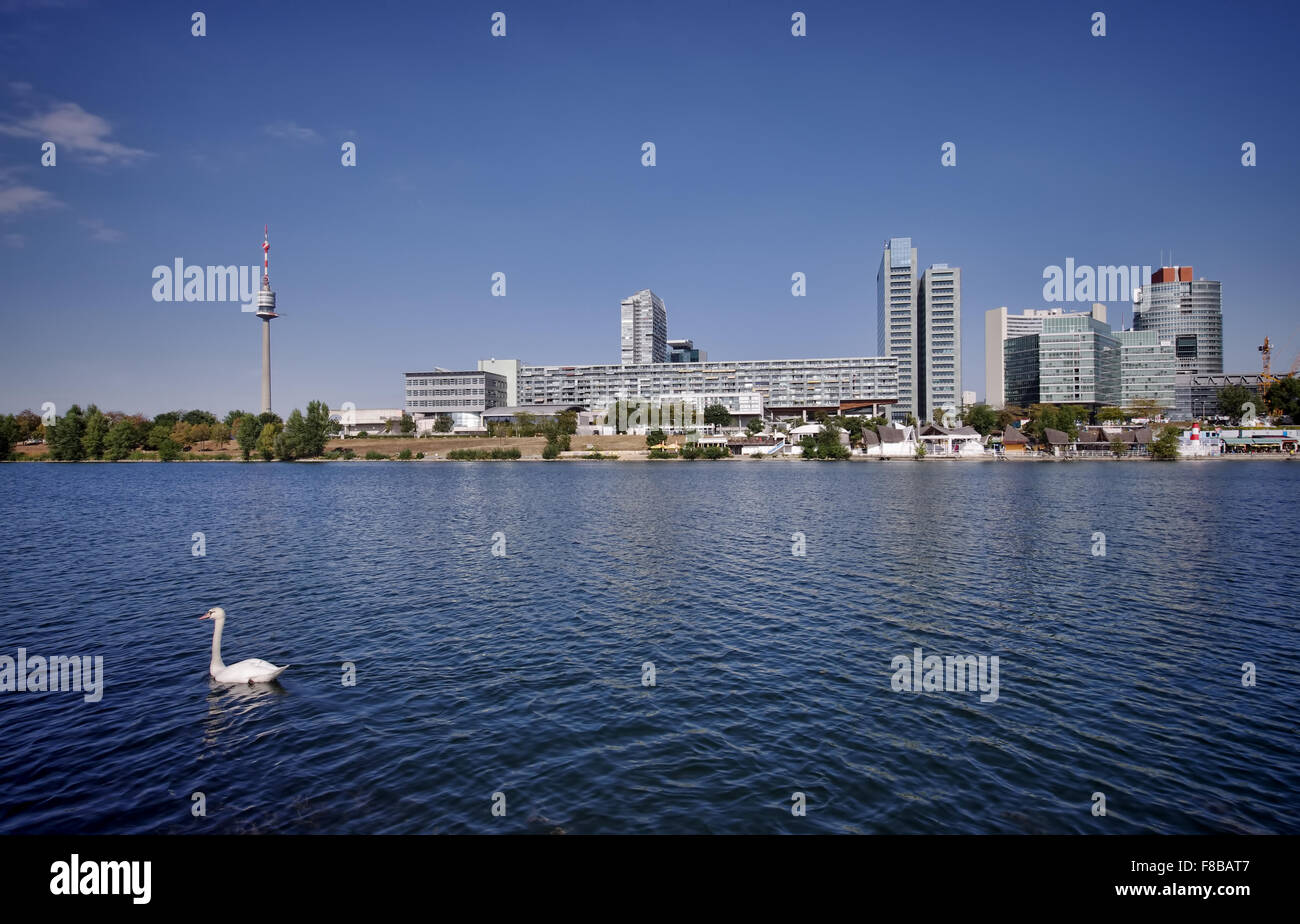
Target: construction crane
[1267, 349]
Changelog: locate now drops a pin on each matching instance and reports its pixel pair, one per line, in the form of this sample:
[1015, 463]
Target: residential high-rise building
[918, 322]
[644, 329]
[939, 311]
[780, 387]
[897, 322]
[1187, 311]
[1001, 326]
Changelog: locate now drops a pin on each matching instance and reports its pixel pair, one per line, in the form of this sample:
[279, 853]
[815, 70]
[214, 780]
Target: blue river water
[521, 674]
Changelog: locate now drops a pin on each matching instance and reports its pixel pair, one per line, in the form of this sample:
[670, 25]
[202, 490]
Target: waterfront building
[968, 399]
[463, 396]
[643, 329]
[1188, 312]
[955, 441]
[1001, 326]
[352, 421]
[780, 387]
[939, 312]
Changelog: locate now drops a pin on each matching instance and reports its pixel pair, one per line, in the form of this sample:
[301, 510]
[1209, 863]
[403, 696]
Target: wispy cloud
[100, 231]
[291, 131]
[17, 241]
[72, 129]
[16, 198]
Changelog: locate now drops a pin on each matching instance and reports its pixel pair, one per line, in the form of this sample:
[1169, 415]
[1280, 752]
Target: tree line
[111, 436]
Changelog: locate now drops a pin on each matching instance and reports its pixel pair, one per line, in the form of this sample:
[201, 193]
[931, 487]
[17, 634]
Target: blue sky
[522, 155]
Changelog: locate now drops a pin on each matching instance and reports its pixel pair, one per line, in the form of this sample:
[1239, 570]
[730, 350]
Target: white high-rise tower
[266, 311]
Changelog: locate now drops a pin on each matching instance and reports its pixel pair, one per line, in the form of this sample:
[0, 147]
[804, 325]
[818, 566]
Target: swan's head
[215, 613]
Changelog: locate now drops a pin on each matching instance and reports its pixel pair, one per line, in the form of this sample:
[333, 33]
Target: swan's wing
[253, 666]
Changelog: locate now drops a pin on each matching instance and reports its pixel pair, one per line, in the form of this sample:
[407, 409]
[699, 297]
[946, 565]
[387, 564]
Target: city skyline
[764, 169]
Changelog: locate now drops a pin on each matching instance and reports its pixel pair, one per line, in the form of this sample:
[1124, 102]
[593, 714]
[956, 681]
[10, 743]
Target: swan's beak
[205, 616]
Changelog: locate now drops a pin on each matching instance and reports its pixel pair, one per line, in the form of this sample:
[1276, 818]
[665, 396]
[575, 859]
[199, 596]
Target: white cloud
[74, 129]
[292, 131]
[100, 231]
[16, 241]
[19, 197]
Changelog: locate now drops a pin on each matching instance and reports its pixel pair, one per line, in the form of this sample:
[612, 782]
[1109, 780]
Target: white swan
[254, 670]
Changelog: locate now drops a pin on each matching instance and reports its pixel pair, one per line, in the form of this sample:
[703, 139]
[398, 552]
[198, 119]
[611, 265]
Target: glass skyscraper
[1186, 311]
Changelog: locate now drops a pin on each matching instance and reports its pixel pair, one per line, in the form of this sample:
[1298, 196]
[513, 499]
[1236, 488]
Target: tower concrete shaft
[266, 365]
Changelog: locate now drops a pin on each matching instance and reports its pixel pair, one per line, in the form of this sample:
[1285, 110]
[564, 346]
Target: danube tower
[266, 311]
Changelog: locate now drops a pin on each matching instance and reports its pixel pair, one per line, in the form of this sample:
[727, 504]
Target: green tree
[1111, 415]
[8, 435]
[120, 440]
[1283, 397]
[266, 442]
[157, 434]
[568, 421]
[1010, 415]
[231, 419]
[168, 419]
[408, 422]
[1164, 447]
[982, 418]
[1147, 408]
[1118, 447]
[755, 426]
[442, 424]
[289, 442]
[655, 437]
[92, 440]
[910, 420]
[247, 435]
[168, 450]
[717, 415]
[65, 440]
[315, 430]
[194, 418]
[29, 425]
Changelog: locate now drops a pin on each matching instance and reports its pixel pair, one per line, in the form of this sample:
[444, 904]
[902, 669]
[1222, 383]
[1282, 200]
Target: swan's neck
[217, 663]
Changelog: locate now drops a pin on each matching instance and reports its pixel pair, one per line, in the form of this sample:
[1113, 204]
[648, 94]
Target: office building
[1077, 359]
[644, 329]
[1146, 369]
[1188, 312]
[1001, 326]
[463, 396]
